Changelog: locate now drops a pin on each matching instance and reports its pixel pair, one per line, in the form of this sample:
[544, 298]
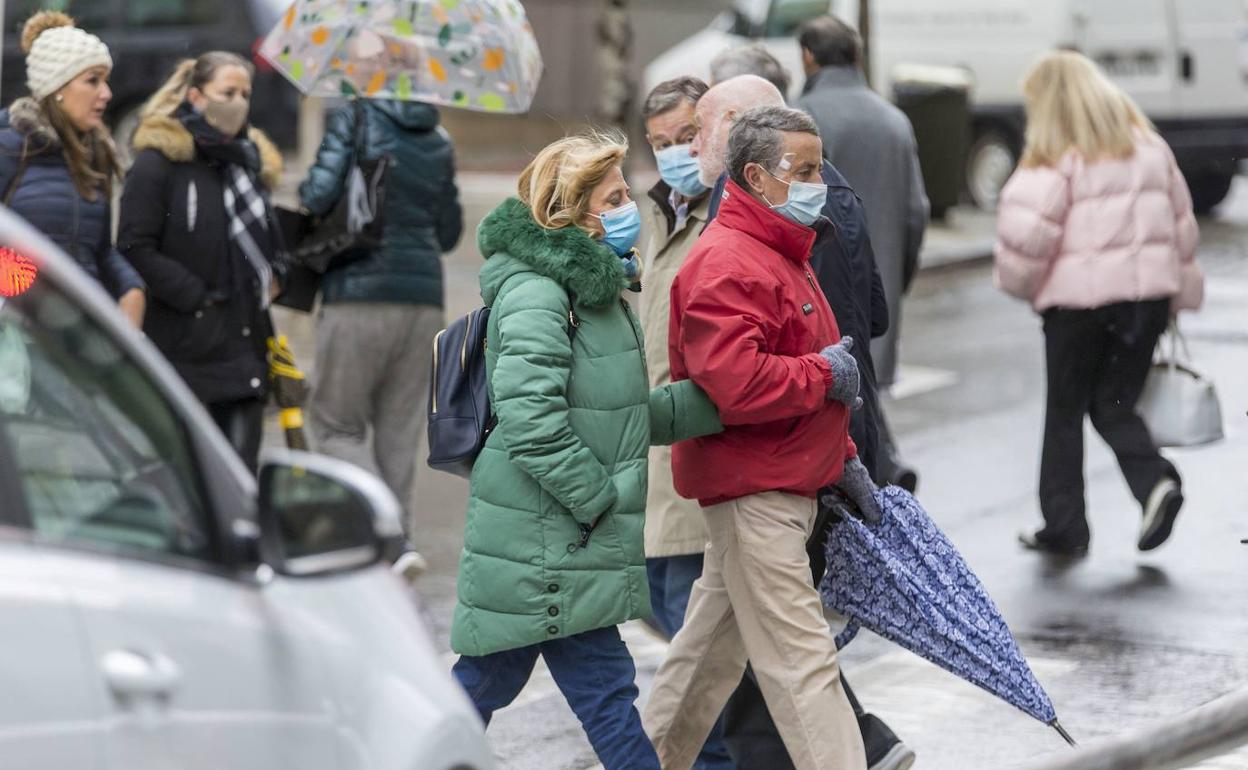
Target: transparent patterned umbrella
[474, 54]
[904, 580]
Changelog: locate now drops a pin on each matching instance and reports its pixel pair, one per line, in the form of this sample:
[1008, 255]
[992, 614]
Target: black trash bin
[937, 101]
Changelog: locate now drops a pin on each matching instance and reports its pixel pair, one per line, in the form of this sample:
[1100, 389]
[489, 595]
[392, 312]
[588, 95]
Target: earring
[60, 98]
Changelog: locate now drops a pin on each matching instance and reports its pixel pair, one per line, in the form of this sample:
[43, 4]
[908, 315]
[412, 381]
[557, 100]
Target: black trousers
[750, 734]
[1097, 363]
[242, 422]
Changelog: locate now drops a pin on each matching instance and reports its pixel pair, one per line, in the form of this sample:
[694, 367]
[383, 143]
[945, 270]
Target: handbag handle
[1177, 340]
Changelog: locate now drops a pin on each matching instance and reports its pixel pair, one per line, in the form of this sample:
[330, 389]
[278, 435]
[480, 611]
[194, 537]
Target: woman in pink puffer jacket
[1096, 231]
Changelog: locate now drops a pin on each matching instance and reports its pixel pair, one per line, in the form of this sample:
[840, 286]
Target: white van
[1183, 60]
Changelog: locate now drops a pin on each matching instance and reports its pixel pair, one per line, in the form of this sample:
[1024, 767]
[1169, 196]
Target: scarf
[245, 205]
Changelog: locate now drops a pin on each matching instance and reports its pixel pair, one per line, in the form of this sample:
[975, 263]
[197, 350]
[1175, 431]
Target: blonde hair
[191, 73]
[1071, 104]
[556, 186]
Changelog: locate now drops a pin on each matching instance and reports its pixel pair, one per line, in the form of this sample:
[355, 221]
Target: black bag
[355, 226]
[460, 418]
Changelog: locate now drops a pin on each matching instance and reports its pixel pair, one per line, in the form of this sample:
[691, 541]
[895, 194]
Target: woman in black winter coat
[196, 222]
[57, 162]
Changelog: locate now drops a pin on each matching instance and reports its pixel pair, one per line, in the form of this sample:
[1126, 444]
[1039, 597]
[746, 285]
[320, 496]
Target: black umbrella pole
[1056, 725]
[291, 420]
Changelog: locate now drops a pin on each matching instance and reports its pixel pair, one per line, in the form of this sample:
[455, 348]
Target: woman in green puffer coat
[553, 558]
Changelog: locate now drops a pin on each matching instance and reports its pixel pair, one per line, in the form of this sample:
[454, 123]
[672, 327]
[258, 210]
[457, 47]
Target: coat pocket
[203, 334]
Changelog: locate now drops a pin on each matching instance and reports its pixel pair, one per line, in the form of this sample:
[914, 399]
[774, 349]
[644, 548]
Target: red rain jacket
[747, 323]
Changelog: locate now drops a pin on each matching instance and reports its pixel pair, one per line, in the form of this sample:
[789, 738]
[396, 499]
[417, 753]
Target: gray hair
[670, 93]
[758, 137]
[831, 42]
[752, 59]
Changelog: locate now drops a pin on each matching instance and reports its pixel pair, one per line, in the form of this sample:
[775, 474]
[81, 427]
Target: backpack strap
[21, 171]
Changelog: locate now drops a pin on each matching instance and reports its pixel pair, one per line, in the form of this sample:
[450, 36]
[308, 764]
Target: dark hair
[670, 93]
[90, 157]
[751, 59]
[831, 42]
[758, 138]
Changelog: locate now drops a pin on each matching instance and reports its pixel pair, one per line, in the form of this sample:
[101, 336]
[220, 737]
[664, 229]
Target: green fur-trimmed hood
[589, 270]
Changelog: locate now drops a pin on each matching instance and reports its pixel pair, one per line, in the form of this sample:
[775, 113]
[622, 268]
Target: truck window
[91, 15]
[787, 16]
[172, 13]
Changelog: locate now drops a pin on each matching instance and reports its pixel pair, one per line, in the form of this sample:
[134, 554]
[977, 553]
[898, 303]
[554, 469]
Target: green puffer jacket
[576, 418]
[422, 213]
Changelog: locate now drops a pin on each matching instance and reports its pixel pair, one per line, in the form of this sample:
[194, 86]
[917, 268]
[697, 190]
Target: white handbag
[1179, 406]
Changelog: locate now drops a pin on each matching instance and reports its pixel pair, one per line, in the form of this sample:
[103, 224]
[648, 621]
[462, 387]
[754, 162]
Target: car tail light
[17, 272]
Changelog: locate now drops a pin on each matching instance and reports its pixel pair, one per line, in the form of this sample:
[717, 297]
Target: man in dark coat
[844, 266]
[872, 143]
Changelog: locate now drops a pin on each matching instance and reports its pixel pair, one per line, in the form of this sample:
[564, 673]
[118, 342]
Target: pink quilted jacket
[1084, 235]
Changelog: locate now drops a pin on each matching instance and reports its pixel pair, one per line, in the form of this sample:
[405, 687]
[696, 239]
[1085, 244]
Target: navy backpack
[460, 418]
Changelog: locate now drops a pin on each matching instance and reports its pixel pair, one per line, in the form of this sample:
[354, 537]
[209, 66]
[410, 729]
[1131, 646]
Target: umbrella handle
[1056, 725]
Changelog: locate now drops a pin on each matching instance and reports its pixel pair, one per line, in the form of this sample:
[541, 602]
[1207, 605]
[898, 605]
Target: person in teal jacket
[553, 555]
[379, 314]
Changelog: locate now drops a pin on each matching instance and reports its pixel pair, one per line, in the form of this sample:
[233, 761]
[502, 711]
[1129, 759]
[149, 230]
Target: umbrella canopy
[475, 54]
[906, 582]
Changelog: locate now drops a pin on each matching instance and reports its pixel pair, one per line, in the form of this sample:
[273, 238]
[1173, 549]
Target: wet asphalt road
[1119, 639]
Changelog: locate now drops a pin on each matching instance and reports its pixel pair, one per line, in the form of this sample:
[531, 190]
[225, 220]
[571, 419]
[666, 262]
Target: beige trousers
[755, 601]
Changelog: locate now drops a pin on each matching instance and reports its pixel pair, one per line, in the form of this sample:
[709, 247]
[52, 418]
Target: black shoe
[885, 751]
[1039, 542]
[907, 479]
[1160, 512]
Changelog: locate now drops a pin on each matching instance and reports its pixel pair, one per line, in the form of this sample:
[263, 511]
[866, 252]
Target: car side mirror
[320, 516]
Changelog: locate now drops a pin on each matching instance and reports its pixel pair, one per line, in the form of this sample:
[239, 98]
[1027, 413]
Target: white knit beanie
[57, 52]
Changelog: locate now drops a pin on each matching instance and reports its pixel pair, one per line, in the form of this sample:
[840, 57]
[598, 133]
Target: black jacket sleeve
[144, 205]
[879, 302]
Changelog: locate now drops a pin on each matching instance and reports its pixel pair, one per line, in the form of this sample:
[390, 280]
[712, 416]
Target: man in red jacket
[750, 325]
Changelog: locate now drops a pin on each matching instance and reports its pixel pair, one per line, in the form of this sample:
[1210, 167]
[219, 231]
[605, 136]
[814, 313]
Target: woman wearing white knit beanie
[57, 160]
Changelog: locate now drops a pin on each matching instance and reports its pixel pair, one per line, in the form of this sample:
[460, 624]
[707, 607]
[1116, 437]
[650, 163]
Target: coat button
[571, 547]
[553, 612]
[199, 314]
[255, 382]
[246, 331]
[553, 588]
[552, 630]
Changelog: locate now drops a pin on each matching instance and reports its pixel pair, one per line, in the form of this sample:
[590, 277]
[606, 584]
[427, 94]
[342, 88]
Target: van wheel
[123, 134]
[1208, 188]
[989, 163]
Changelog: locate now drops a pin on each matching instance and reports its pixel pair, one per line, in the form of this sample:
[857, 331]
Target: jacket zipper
[437, 342]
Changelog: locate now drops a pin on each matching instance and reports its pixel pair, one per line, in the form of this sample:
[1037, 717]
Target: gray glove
[845, 377]
[854, 489]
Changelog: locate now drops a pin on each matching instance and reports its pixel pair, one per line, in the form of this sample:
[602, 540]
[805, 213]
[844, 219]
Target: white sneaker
[901, 757]
[1159, 514]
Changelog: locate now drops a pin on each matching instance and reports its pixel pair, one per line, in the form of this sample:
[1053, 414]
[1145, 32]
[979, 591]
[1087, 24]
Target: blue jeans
[671, 578]
[595, 673]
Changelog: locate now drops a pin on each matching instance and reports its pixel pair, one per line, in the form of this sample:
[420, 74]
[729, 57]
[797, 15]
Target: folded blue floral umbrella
[904, 580]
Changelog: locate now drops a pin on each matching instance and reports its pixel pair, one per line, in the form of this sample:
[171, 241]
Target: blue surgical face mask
[680, 170]
[805, 202]
[621, 227]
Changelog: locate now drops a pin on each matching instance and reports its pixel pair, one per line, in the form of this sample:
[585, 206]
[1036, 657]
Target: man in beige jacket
[673, 215]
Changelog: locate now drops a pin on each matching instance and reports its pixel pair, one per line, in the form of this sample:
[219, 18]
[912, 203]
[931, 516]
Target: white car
[1185, 61]
[157, 609]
